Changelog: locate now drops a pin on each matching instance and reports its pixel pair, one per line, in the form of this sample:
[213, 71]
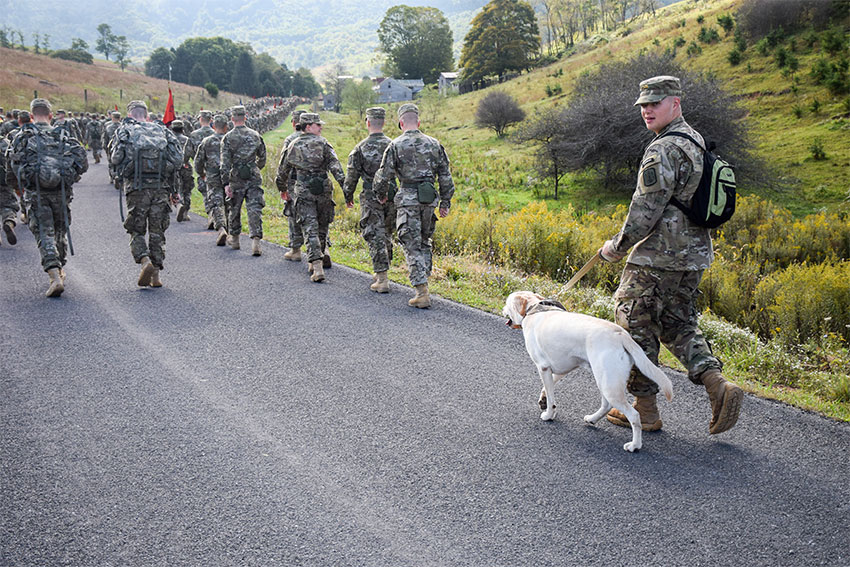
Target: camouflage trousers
[658, 306]
[315, 213]
[252, 196]
[214, 203]
[202, 189]
[415, 225]
[8, 204]
[46, 218]
[377, 224]
[187, 183]
[296, 232]
[148, 213]
[95, 147]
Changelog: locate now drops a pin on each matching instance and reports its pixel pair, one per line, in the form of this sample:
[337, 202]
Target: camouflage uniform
[377, 221]
[195, 139]
[243, 155]
[148, 199]
[208, 168]
[8, 200]
[296, 233]
[312, 157]
[185, 178]
[94, 135]
[416, 160]
[68, 124]
[47, 209]
[106, 142]
[659, 285]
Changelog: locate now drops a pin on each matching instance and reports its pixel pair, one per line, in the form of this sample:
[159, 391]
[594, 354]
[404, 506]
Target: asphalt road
[242, 415]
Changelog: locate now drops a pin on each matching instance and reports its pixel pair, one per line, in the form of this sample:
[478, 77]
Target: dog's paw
[631, 447]
[548, 415]
[589, 419]
[543, 402]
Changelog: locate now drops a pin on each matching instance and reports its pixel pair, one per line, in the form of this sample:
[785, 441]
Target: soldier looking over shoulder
[417, 161]
[658, 288]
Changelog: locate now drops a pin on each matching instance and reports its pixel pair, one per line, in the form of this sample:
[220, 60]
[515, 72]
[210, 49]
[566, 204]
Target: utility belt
[426, 192]
[314, 181]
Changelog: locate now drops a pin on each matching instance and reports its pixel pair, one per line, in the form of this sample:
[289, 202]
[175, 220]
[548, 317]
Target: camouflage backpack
[46, 157]
[149, 159]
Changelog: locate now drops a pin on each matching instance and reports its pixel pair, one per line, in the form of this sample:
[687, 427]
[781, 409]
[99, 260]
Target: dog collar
[546, 305]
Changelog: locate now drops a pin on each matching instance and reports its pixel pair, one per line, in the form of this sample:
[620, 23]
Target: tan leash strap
[581, 273]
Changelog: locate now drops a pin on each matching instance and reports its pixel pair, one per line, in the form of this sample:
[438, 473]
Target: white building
[397, 90]
[448, 82]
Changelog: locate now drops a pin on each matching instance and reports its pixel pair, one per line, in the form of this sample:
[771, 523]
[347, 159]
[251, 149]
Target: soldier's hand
[228, 191]
[608, 254]
[349, 204]
[175, 198]
[284, 195]
[444, 212]
[382, 200]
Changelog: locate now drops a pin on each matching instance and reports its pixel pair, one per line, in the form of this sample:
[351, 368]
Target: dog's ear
[521, 305]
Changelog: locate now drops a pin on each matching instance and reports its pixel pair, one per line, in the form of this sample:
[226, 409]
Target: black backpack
[713, 202]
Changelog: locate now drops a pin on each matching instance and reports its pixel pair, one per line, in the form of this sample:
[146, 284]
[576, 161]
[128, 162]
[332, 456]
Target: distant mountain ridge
[306, 34]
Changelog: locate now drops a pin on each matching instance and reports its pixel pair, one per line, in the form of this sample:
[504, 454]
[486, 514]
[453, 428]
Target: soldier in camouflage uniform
[195, 139]
[377, 221]
[94, 136]
[208, 168]
[185, 178]
[8, 199]
[62, 121]
[47, 204]
[416, 160]
[312, 157]
[149, 196]
[287, 187]
[243, 155]
[657, 294]
[106, 142]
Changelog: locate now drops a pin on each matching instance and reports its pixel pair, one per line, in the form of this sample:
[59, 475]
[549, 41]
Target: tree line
[220, 63]
[107, 43]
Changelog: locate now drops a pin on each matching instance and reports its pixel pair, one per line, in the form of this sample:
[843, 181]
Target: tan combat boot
[222, 237]
[650, 419]
[62, 275]
[382, 283]
[318, 271]
[56, 286]
[211, 223]
[326, 261]
[725, 400]
[233, 241]
[97, 158]
[155, 281]
[255, 246]
[294, 254]
[422, 299]
[146, 273]
[181, 213]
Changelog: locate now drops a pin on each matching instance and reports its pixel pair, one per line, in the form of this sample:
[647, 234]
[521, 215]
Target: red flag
[116, 107]
[169, 117]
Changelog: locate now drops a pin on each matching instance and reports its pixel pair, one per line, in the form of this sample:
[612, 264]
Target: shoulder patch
[648, 177]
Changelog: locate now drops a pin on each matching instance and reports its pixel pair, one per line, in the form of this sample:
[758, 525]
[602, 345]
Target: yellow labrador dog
[559, 341]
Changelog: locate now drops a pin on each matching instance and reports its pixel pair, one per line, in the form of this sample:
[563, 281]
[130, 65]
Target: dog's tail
[646, 366]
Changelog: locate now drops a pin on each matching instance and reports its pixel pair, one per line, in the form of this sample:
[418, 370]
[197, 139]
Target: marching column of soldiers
[154, 165]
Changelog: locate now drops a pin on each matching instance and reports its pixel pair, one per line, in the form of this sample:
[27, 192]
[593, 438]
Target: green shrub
[815, 106]
[740, 41]
[797, 110]
[679, 42]
[735, 57]
[212, 89]
[781, 56]
[726, 22]
[833, 40]
[694, 49]
[700, 19]
[816, 149]
[708, 35]
[810, 38]
[77, 55]
[763, 47]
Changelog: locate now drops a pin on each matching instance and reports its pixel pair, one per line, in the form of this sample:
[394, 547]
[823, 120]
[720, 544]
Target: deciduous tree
[503, 37]
[417, 42]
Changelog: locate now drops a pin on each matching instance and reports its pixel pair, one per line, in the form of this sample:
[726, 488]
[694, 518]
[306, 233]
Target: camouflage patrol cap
[409, 107]
[115, 113]
[220, 120]
[205, 114]
[309, 118]
[658, 88]
[238, 110]
[176, 124]
[296, 115]
[61, 111]
[376, 112]
[40, 102]
[136, 104]
[24, 116]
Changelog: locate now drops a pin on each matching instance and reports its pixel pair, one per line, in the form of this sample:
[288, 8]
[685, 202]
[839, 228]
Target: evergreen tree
[244, 77]
[198, 76]
[503, 37]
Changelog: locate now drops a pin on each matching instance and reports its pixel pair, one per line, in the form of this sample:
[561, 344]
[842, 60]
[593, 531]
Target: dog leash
[581, 273]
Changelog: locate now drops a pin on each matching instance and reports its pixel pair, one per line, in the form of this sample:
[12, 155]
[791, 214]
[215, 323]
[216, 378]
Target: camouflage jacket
[240, 147]
[195, 139]
[288, 184]
[94, 131]
[661, 234]
[183, 140]
[310, 156]
[108, 136]
[71, 126]
[208, 158]
[363, 161]
[413, 158]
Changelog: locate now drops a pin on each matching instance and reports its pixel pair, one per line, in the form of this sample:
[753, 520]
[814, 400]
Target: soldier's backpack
[148, 159]
[46, 158]
[713, 202]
